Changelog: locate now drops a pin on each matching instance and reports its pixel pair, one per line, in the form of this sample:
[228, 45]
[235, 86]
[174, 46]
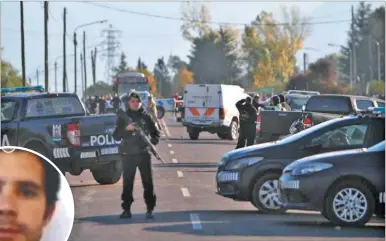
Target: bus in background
[126, 82]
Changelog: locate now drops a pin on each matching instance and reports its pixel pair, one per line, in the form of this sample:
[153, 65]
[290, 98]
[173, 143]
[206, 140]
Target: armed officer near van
[135, 154]
[248, 118]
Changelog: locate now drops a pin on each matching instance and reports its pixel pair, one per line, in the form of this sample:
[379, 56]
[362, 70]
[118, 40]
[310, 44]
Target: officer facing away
[135, 154]
[248, 118]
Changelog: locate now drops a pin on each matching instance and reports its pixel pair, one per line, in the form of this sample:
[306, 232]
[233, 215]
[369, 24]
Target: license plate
[109, 151]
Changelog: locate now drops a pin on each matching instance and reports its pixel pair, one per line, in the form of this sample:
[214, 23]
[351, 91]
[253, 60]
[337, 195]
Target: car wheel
[234, 130]
[194, 134]
[108, 173]
[266, 196]
[350, 203]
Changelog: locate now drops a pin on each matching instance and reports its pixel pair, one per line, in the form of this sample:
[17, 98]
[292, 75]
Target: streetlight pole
[378, 57]
[75, 45]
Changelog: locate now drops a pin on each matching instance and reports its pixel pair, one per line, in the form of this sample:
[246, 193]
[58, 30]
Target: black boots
[126, 214]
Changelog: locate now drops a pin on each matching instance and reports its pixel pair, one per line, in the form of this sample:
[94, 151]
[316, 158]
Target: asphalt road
[188, 208]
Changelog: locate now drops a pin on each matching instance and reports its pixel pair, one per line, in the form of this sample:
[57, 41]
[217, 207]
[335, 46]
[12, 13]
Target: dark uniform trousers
[247, 134]
[130, 164]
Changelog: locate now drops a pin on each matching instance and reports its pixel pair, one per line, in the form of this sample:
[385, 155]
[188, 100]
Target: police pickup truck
[58, 126]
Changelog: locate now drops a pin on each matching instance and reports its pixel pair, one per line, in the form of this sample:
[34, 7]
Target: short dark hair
[281, 97]
[248, 100]
[134, 95]
[275, 100]
[51, 178]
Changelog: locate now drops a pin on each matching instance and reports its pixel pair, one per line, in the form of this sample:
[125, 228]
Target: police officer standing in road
[248, 118]
[135, 154]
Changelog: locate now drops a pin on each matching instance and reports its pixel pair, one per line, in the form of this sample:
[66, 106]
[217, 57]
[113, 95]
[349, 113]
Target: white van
[212, 108]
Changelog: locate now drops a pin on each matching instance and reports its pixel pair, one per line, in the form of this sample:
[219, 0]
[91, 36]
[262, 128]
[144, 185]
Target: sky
[144, 36]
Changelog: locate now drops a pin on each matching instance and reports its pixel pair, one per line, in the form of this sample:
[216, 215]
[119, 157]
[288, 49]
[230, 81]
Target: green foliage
[163, 79]
[10, 77]
[100, 88]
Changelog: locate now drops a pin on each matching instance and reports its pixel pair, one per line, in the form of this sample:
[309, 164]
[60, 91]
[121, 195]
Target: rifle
[121, 114]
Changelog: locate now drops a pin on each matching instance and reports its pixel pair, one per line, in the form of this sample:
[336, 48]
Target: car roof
[31, 95]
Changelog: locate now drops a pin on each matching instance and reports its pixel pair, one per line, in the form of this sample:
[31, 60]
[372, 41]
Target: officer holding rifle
[134, 150]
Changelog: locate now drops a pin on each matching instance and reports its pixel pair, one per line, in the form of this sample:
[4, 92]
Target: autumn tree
[269, 47]
[10, 77]
[185, 77]
[150, 77]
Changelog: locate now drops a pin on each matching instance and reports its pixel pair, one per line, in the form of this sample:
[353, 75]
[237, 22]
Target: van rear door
[202, 104]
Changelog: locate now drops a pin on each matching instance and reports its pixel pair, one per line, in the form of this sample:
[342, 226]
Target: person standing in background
[248, 118]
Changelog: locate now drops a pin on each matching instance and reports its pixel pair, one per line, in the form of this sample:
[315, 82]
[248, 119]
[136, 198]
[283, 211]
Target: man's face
[134, 103]
[23, 213]
[256, 99]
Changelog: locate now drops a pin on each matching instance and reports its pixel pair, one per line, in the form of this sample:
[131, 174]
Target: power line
[211, 22]
[112, 44]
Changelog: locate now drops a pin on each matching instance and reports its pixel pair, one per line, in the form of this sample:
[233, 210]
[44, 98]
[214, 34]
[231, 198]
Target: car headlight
[311, 168]
[238, 164]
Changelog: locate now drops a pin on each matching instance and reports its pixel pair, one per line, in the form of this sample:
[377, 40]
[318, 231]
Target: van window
[380, 104]
[364, 104]
[54, 106]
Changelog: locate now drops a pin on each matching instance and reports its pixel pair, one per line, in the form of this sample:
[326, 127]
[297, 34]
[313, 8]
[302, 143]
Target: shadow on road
[242, 223]
[187, 165]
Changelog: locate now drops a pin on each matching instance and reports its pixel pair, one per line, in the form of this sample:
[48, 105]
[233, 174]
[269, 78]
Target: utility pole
[81, 75]
[46, 45]
[64, 50]
[37, 76]
[353, 46]
[22, 42]
[93, 64]
[75, 64]
[56, 77]
[304, 62]
[84, 59]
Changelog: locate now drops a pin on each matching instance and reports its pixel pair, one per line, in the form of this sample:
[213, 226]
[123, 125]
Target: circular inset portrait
[36, 203]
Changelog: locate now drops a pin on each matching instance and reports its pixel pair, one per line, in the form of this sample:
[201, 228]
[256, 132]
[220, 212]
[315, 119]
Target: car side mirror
[303, 108]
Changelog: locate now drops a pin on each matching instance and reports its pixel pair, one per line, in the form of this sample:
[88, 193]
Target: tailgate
[202, 104]
[318, 118]
[96, 131]
[278, 122]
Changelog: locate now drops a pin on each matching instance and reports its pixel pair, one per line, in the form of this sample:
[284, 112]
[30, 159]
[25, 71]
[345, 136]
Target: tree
[162, 75]
[10, 77]
[196, 20]
[122, 67]
[100, 88]
[269, 48]
[185, 77]
[151, 79]
[141, 64]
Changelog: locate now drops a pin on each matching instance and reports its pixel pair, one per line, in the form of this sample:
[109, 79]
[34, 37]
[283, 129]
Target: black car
[252, 173]
[347, 187]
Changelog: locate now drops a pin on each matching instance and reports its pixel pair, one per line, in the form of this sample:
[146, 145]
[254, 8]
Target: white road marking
[170, 145]
[87, 197]
[179, 173]
[185, 192]
[174, 160]
[172, 152]
[166, 127]
[195, 220]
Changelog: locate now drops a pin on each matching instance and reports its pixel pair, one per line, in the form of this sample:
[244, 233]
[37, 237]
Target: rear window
[329, 104]
[8, 108]
[297, 103]
[54, 106]
[364, 104]
[380, 104]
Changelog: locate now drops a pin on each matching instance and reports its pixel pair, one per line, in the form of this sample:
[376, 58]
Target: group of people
[249, 109]
[100, 104]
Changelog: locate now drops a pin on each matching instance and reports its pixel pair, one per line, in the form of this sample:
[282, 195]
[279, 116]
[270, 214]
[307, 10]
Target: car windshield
[54, 106]
[310, 130]
[378, 147]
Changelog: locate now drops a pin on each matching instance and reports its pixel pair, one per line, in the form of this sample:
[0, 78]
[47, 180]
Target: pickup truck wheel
[233, 130]
[222, 136]
[350, 203]
[106, 174]
[194, 134]
[265, 194]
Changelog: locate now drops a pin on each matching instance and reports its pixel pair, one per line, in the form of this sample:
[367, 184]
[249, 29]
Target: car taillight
[221, 113]
[258, 123]
[73, 133]
[307, 122]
